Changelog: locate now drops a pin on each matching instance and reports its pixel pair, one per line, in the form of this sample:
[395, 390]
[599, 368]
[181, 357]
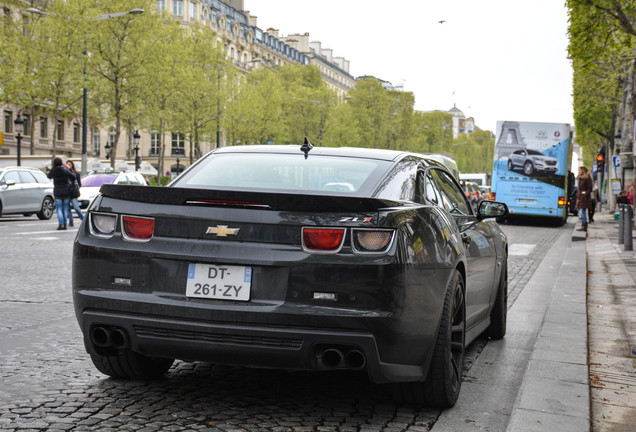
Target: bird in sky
[441, 21]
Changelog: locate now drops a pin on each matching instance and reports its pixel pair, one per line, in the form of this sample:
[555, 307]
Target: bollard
[627, 237]
[621, 224]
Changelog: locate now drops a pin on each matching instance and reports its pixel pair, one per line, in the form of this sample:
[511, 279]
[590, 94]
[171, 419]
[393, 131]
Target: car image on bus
[530, 170]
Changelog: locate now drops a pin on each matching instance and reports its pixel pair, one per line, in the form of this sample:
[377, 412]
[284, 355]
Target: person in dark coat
[74, 204]
[62, 179]
[584, 195]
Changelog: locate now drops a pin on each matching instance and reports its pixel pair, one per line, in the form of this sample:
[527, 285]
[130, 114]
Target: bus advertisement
[530, 170]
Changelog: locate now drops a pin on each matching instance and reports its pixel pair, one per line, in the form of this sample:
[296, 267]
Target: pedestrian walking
[74, 193]
[584, 195]
[62, 178]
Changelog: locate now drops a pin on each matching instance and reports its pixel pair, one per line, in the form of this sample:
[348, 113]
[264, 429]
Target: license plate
[527, 201]
[220, 282]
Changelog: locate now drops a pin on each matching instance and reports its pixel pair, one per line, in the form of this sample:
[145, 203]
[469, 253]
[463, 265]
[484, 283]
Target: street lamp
[178, 170]
[134, 11]
[19, 128]
[136, 138]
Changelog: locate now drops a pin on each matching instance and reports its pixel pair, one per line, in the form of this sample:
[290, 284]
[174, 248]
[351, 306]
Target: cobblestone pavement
[47, 381]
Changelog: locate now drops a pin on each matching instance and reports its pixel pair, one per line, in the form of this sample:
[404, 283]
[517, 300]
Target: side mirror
[491, 209]
[10, 183]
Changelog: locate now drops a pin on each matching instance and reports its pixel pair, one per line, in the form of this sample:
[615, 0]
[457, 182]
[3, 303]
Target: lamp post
[85, 90]
[178, 168]
[136, 138]
[19, 128]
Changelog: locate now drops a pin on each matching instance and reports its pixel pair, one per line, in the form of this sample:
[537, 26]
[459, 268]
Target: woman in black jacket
[62, 179]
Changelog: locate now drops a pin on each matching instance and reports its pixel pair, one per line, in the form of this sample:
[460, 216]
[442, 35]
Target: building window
[161, 5]
[60, 130]
[178, 144]
[154, 144]
[76, 132]
[112, 134]
[44, 127]
[96, 141]
[8, 121]
[177, 7]
[27, 124]
[193, 11]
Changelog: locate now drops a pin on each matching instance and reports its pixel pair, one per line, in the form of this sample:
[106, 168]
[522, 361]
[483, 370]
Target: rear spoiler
[231, 198]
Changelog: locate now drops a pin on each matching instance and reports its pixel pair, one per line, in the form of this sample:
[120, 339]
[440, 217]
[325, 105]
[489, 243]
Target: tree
[198, 89]
[122, 55]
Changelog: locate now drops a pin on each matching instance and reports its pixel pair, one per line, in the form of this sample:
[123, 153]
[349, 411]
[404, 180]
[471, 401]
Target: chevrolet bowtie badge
[222, 231]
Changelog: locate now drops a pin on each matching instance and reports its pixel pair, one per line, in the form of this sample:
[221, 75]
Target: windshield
[281, 172]
[535, 153]
[96, 180]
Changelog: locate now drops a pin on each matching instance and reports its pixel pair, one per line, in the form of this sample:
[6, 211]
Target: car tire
[442, 385]
[127, 364]
[47, 209]
[499, 313]
[528, 168]
[510, 165]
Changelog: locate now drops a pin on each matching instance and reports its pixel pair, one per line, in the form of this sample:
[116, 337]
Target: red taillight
[493, 195]
[137, 228]
[323, 239]
[561, 201]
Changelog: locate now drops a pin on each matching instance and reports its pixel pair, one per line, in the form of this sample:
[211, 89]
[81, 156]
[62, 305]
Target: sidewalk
[611, 327]
[582, 371]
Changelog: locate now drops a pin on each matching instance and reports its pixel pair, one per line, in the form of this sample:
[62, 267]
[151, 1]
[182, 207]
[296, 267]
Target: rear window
[247, 171]
[96, 180]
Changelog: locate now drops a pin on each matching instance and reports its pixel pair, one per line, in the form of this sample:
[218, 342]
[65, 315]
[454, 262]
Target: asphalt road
[47, 381]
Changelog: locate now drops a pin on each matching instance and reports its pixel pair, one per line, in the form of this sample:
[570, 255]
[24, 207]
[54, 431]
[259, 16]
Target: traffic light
[600, 159]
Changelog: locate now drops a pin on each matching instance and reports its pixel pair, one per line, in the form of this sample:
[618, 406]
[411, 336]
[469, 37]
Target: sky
[493, 59]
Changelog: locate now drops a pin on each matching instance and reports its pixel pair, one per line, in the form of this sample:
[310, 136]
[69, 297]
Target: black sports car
[294, 258]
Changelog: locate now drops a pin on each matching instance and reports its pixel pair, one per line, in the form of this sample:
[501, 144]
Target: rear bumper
[253, 346]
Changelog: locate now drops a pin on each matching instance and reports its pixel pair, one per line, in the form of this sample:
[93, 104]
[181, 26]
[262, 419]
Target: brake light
[561, 201]
[137, 228]
[323, 239]
[371, 240]
[493, 195]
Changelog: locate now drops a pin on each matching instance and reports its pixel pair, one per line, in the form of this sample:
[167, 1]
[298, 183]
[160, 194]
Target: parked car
[269, 256]
[531, 161]
[93, 181]
[26, 191]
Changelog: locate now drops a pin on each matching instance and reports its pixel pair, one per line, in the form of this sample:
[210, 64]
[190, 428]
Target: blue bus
[530, 170]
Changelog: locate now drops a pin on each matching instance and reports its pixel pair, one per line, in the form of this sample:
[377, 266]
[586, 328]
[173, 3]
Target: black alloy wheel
[499, 313]
[127, 364]
[510, 165]
[442, 385]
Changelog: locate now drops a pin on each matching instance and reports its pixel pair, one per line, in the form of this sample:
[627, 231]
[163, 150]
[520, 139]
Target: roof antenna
[306, 147]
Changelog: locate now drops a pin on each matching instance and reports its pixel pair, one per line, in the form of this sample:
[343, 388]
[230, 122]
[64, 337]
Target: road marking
[43, 232]
[520, 249]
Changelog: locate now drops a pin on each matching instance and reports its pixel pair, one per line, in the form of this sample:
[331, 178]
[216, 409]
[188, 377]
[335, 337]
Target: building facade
[245, 44]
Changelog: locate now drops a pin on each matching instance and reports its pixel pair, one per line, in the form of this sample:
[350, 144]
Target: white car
[531, 161]
[26, 191]
[93, 181]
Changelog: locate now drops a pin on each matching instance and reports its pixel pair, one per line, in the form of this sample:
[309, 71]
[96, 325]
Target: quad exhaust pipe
[109, 337]
[335, 358]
